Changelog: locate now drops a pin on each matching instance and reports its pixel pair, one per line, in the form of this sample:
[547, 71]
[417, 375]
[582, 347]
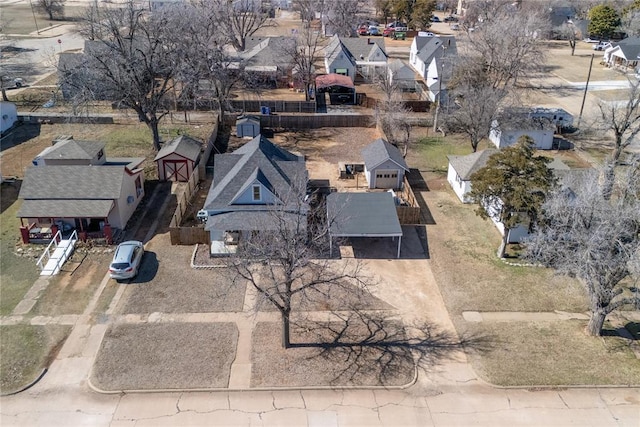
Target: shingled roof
[183, 145]
[465, 166]
[259, 159]
[379, 151]
[73, 150]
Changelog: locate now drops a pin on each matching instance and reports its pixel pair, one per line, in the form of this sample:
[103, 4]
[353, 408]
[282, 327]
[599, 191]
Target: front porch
[42, 230]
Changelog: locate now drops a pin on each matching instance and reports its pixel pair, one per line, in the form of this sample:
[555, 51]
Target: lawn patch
[165, 356]
[25, 351]
[552, 353]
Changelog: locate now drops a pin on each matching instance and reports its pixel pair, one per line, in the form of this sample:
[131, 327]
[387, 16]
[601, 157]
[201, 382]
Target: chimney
[368, 40]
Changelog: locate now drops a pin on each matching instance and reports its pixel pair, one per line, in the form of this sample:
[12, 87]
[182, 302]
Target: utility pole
[586, 87]
[34, 17]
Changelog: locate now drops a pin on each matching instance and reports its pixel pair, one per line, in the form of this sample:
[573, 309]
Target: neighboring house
[369, 54]
[267, 60]
[247, 126]
[248, 184]
[178, 158]
[338, 59]
[505, 132]
[402, 75]
[384, 165]
[9, 113]
[432, 58]
[624, 54]
[459, 176]
[462, 167]
[73, 185]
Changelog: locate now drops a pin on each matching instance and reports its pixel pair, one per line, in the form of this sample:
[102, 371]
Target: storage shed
[247, 126]
[177, 159]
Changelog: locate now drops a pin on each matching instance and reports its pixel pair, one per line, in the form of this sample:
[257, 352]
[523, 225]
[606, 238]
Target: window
[138, 186]
[256, 193]
[342, 71]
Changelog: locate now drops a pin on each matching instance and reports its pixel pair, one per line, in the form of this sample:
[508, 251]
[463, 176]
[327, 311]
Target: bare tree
[508, 44]
[597, 240]
[343, 15]
[288, 261]
[53, 8]
[623, 119]
[477, 106]
[304, 54]
[238, 19]
[391, 113]
[308, 8]
[568, 32]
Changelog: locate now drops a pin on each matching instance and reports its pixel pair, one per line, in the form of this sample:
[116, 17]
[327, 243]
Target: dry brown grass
[165, 356]
[553, 353]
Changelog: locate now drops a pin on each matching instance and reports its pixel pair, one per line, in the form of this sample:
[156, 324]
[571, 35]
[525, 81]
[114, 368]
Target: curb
[28, 386]
[201, 266]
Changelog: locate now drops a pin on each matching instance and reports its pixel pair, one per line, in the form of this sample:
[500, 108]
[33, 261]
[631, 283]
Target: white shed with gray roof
[384, 165]
[363, 215]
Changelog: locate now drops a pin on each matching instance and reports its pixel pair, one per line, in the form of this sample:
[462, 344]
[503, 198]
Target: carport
[340, 88]
[363, 215]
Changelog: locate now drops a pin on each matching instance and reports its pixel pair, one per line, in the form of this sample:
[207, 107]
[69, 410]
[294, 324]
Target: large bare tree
[594, 238]
[239, 19]
[391, 113]
[343, 15]
[305, 54]
[132, 60]
[54, 9]
[622, 118]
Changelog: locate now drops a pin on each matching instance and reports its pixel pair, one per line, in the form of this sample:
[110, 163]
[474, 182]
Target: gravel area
[165, 356]
[273, 366]
[166, 283]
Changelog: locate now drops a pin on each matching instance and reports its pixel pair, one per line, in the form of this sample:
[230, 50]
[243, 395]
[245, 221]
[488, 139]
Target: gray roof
[72, 182]
[268, 220]
[630, 47]
[65, 208]
[73, 149]
[363, 215]
[130, 163]
[363, 48]
[247, 119]
[335, 48]
[428, 47]
[266, 51]
[183, 145]
[401, 70]
[465, 166]
[259, 159]
[379, 151]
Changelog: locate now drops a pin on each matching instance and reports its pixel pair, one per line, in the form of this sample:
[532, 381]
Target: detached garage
[384, 165]
[363, 215]
[247, 126]
[177, 159]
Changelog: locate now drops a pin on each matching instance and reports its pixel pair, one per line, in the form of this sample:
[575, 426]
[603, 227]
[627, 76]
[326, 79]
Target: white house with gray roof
[249, 185]
[431, 57]
[369, 53]
[462, 167]
[96, 195]
[338, 59]
[384, 165]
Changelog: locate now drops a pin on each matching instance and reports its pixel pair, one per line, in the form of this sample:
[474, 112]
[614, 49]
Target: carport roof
[329, 80]
[363, 215]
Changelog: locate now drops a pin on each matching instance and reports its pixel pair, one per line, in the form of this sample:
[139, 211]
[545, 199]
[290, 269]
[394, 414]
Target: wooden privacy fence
[274, 106]
[413, 105]
[186, 235]
[409, 214]
[316, 121]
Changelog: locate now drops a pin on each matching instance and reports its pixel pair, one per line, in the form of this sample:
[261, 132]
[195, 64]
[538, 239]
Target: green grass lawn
[25, 350]
[429, 153]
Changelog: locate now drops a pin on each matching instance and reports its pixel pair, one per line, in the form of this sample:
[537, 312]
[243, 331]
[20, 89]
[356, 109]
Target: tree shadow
[361, 343]
[9, 191]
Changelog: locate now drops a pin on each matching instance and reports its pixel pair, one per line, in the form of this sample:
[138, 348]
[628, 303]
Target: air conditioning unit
[202, 215]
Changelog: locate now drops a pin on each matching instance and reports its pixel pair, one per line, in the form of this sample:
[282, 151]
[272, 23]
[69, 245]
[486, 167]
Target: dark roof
[335, 48]
[72, 182]
[465, 166]
[183, 145]
[329, 80]
[364, 48]
[73, 150]
[363, 215]
[65, 208]
[379, 151]
[247, 119]
[259, 159]
[630, 47]
[267, 220]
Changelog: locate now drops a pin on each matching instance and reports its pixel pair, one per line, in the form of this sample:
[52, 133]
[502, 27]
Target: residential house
[9, 114]
[402, 75]
[339, 60]
[369, 53]
[249, 184]
[178, 158]
[507, 130]
[431, 57]
[72, 185]
[462, 167]
[459, 177]
[624, 55]
[267, 61]
[384, 166]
